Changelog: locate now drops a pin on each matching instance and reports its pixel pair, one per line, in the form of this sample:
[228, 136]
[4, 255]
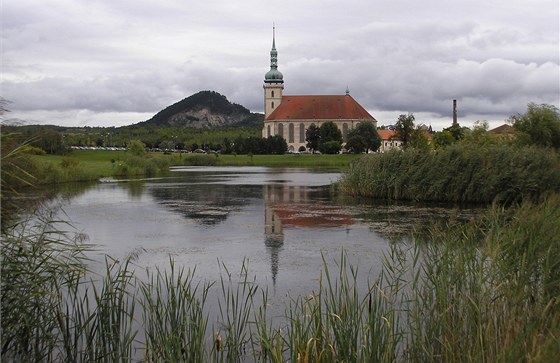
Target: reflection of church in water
[295, 206]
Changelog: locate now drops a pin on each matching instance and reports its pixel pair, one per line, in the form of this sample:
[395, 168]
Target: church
[291, 116]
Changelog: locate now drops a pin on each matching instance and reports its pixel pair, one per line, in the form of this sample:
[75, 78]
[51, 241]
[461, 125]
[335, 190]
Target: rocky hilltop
[205, 109]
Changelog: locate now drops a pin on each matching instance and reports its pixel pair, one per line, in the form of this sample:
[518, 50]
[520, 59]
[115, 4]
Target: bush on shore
[459, 173]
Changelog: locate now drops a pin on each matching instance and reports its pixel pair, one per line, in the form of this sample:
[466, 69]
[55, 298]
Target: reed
[235, 305]
[461, 173]
[487, 290]
[174, 321]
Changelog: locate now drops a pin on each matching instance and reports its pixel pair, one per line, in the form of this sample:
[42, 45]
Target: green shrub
[459, 173]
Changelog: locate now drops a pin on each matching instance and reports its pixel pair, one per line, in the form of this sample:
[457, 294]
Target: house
[291, 116]
[504, 131]
[389, 140]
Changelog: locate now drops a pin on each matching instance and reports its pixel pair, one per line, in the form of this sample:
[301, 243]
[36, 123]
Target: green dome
[274, 75]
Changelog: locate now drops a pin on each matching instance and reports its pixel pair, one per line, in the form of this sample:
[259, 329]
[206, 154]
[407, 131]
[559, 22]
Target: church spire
[274, 75]
[273, 37]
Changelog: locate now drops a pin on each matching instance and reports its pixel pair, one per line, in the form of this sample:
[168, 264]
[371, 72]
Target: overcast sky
[118, 62]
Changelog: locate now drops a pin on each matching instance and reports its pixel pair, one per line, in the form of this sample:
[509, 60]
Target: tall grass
[174, 322]
[461, 173]
[488, 291]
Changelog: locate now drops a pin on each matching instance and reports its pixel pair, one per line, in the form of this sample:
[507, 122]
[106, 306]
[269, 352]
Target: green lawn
[94, 164]
[97, 163]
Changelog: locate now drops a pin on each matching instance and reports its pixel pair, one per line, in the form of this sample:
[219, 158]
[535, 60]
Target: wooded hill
[205, 109]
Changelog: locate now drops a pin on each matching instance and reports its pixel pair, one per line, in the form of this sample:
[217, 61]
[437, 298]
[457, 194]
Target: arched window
[272, 105]
[272, 94]
[291, 132]
[345, 131]
[281, 130]
[268, 130]
[301, 132]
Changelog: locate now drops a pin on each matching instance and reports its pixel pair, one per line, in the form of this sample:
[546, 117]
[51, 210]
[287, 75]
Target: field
[99, 163]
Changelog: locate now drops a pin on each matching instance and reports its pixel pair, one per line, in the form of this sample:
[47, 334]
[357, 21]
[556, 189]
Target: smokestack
[454, 112]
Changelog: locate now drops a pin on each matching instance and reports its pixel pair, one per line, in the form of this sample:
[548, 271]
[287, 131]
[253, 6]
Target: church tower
[273, 81]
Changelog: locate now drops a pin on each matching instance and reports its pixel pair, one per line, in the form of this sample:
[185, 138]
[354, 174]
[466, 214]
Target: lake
[280, 222]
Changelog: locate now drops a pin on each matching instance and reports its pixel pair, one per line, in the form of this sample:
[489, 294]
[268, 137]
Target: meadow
[84, 165]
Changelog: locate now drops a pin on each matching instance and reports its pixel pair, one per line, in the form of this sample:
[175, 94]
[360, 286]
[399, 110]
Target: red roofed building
[389, 140]
[291, 116]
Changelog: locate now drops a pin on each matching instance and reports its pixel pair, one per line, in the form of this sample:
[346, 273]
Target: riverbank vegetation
[488, 290]
[94, 164]
[458, 173]
[463, 165]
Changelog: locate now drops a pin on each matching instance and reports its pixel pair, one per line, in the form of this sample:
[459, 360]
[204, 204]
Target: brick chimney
[454, 112]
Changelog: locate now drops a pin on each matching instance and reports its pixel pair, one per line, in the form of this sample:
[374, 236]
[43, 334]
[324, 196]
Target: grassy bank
[86, 165]
[485, 291]
[460, 173]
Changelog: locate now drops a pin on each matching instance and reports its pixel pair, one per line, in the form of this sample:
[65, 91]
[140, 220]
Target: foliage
[457, 131]
[312, 137]
[404, 128]
[539, 126]
[50, 141]
[459, 173]
[260, 146]
[488, 291]
[443, 139]
[479, 135]
[330, 138]
[330, 147]
[136, 148]
[419, 138]
[363, 137]
[17, 172]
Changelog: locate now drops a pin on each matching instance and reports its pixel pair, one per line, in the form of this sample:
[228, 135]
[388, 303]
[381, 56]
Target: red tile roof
[386, 134]
[503, 129]
[319, 108]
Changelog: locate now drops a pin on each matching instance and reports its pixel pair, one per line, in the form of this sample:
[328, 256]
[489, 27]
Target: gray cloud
[109, 61]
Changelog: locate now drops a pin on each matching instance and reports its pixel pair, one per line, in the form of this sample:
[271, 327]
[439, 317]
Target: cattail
[218, 342]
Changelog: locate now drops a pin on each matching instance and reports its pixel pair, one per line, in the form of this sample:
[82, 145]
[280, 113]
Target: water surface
[280, 222]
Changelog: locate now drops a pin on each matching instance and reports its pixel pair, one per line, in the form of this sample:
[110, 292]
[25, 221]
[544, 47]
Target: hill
[205, 109]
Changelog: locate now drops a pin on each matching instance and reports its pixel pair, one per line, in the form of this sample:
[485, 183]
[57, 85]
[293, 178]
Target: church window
[273, 104]
[301, 132]
[281, 130]
[345, 131]
[272, 95]
[268, 130]
[291, 132]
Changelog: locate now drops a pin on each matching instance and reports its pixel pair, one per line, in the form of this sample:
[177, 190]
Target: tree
[51, 141]
[363, 137]
[419, 138]
[404, 129]
[276, 145]
[443, 139]
[479, 135]
[329, 134]
[457, 131]
[312, 137]
[540, 125]
[136, 147]
[331, 147]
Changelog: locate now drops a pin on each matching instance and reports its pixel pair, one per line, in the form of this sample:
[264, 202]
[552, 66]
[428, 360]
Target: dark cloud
[93, 61]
